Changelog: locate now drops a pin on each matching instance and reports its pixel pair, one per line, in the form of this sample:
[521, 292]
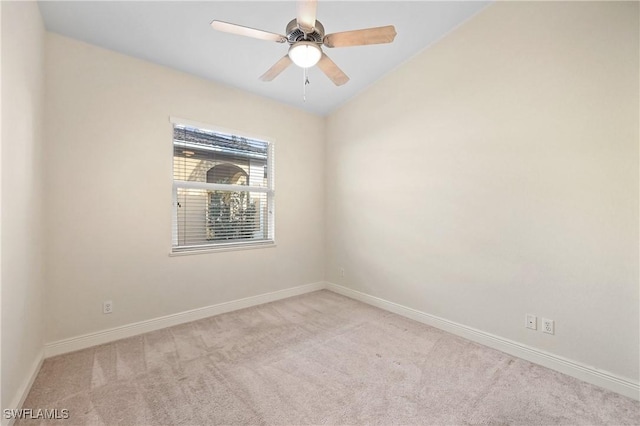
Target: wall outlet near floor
[548, 326]
[107, 307]
[531, 321]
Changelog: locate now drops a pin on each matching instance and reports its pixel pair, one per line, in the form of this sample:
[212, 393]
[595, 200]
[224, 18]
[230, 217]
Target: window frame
[270, 192]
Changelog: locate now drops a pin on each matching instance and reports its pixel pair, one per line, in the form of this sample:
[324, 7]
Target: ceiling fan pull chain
[305, 81]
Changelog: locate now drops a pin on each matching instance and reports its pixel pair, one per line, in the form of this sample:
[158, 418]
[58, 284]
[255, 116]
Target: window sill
[226, 247]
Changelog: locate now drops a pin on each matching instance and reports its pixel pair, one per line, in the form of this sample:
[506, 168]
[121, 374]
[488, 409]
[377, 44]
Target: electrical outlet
[341, 272]
[548, 326]
[107, 307]
[531, 321]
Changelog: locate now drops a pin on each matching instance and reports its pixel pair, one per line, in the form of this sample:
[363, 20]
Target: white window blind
[222, 190]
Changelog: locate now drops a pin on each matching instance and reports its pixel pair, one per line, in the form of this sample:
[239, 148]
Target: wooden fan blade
[332, 71]
[377, 35]
[246, 31]
[306, 16]
[276, 69]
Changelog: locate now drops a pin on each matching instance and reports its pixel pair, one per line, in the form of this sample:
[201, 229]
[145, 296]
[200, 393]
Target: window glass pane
[205, 217]
[199, 156]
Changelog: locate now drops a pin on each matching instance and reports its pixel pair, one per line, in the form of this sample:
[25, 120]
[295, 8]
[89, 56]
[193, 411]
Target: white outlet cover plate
[548, 326]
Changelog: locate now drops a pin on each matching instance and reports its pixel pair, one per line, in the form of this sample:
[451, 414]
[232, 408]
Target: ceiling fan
[306, 36]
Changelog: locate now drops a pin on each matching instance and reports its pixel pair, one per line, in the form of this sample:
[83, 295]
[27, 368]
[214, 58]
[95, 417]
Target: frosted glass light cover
[305, 54]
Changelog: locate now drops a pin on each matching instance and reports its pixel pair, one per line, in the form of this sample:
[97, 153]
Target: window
[222, 189]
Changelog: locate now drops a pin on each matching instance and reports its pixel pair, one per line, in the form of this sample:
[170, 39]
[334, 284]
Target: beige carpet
[319, 358]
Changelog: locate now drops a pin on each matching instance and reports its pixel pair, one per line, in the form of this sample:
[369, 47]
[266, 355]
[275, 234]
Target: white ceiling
[178, 35]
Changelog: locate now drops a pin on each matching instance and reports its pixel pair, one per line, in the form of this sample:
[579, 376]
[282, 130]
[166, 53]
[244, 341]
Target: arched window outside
[227, 173]
[231, 215]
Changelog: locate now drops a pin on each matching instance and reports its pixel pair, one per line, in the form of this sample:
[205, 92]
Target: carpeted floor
[319, 358]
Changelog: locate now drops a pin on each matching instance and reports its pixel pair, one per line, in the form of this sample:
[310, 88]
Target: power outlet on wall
[531, 321]
[107, 307]
[548, 326]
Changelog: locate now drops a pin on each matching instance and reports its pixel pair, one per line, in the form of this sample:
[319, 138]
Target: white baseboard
[572, 368]
[105, 336]
[23, 391]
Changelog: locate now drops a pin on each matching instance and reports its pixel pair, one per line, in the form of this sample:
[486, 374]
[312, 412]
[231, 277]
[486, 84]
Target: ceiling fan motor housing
[295, 34]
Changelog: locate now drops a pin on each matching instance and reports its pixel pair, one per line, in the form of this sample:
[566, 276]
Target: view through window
[222, 189]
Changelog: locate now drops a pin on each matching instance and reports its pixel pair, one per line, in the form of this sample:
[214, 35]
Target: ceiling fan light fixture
[305, 54]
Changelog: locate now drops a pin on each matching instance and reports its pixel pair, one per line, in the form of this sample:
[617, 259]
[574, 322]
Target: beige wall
[22, 196]
[109, 192]
[496, 174]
